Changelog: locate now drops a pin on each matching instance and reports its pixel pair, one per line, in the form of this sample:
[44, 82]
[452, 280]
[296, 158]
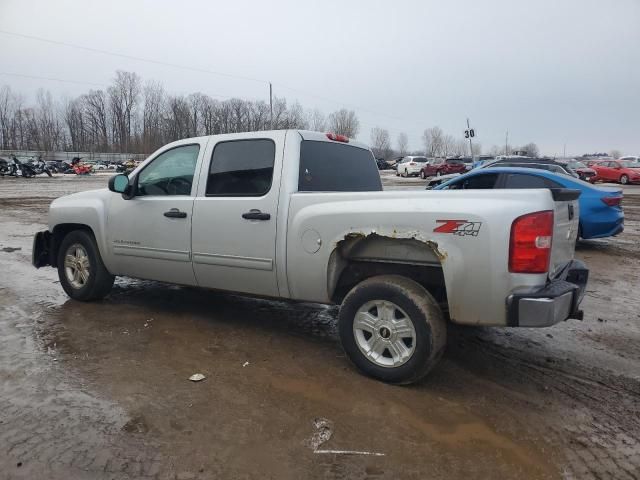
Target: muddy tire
[82, 274]
[392, 329]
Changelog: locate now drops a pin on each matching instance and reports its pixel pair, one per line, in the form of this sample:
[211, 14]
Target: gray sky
[549, 71]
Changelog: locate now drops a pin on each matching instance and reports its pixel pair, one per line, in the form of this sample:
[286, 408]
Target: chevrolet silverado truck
[302, 216]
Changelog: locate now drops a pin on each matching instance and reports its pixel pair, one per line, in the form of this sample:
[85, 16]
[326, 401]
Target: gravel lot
[101, 390]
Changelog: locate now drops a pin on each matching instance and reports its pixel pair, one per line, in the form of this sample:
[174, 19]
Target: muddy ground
[101, 390]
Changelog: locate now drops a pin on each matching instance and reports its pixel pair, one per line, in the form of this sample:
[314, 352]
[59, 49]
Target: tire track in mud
[50, 427]
[592, 413]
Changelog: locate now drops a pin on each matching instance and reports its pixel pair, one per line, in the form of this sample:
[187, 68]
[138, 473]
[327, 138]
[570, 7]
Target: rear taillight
[338, 138]
[530, 243]
[411, 163]
[612, 201]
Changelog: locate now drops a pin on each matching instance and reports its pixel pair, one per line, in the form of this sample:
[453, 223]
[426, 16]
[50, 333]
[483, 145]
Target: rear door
[235, 212]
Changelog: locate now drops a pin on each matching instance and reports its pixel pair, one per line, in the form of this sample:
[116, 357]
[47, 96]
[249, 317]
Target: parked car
[584, 173]
[632, 158]
[601, 212]
[447, 166]
[621, 171]
[530, 162]
[383, 164]
[482, 159]
[302, 216]
[410, 166]
[440, 179]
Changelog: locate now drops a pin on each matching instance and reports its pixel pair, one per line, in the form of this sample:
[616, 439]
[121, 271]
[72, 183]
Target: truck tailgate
[565, 232]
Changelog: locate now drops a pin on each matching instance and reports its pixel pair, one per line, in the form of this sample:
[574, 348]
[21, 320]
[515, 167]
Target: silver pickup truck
[301, 215]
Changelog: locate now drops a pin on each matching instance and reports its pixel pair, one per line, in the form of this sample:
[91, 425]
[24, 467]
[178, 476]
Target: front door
[150, 235]
[235, 213]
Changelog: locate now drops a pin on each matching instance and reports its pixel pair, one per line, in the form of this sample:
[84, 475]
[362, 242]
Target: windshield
[629, 164]
[576, 165]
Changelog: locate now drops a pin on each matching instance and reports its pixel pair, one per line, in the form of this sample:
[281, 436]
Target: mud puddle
[101, 390]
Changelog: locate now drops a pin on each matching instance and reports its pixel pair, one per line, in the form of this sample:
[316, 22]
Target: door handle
[255, 214]
[175, 213]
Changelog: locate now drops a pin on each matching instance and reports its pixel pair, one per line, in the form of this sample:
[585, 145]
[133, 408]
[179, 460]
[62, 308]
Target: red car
[439, 167]
[622, 171]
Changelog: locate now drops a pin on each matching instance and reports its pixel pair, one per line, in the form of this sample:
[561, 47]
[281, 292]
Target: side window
[476, 182]
[241, 168]
[170, 173]
[517, 180]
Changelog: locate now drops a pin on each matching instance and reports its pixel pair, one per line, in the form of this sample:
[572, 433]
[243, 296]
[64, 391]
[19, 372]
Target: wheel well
[359, 257]
[430, 277]
[59, 232]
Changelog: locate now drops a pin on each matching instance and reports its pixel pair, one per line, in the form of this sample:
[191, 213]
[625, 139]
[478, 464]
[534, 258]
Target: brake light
[530, 243]
[338, 138]
[612, 201]
[411, 163]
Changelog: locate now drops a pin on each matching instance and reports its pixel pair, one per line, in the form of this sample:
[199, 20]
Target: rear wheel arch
[359, 257]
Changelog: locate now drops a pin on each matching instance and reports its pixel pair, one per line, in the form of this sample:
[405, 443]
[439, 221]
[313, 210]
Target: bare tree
[403, 144]
[530, 150]
[75, 121]
[476, 148]
[434, 142]
[344, 122]
[316, 120]
[123, 98]
[95, 110]
[380, 142]
[615, 153]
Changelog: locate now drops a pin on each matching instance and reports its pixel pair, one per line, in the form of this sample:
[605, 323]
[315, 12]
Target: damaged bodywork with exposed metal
[302, 216]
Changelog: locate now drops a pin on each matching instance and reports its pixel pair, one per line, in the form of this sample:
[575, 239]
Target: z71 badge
[458, 227]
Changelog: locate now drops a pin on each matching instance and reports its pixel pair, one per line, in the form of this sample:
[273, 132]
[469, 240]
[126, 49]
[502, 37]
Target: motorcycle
[80, 168]
[15, 168]
[39, 166]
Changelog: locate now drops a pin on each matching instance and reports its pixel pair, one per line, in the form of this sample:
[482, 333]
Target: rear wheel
[82, 274]
[624, 179]
[406, 173]
[422, 175]
[392, 329]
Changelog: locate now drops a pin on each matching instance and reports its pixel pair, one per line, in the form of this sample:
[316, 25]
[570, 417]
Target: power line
[37, 77]
[80, 82]
[132, 57]
[195, 69]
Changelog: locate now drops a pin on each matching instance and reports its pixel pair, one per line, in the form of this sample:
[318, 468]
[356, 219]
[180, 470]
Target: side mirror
[120, 184]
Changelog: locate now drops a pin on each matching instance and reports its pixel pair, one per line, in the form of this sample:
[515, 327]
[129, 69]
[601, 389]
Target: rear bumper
[41, 251]
[557, 301]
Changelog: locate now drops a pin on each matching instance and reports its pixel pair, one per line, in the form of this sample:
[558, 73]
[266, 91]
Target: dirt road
[101, 390]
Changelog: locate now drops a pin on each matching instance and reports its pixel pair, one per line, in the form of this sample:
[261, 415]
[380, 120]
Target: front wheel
[624, 179]
[392, 329]
[82, 274]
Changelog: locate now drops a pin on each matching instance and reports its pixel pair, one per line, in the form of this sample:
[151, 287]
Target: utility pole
[271, 105]
[506, 142]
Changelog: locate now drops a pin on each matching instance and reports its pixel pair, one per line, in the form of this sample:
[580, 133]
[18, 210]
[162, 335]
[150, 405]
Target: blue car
[601, 212]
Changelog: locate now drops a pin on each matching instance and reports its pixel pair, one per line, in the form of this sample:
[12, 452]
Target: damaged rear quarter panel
[474, 266]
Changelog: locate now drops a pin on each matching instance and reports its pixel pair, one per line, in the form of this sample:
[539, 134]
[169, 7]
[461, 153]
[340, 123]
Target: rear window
[517, 180]
[476, 182]
[335, 167]
[420, 159]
